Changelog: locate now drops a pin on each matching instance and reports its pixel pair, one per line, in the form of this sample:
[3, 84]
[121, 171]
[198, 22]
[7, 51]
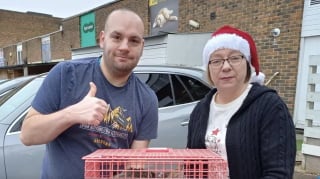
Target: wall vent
[314, 2]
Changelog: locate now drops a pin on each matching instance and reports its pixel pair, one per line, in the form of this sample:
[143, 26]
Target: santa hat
[232, 38]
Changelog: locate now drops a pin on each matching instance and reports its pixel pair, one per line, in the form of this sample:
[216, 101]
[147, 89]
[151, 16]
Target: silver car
[178, 90]
[8, 85]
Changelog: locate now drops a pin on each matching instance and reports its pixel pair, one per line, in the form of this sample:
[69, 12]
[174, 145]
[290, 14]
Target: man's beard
[124, 68]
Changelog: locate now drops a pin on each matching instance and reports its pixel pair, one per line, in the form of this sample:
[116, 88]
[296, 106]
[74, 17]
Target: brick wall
[16, 27]
[33, 51]
[10, 54]
[139, 6]
[257, 17]
[71, 34]
[60, 46]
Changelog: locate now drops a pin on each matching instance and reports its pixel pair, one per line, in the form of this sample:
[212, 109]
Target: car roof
[195, 72]
[3, 80]
[164, 67]
[10, 84]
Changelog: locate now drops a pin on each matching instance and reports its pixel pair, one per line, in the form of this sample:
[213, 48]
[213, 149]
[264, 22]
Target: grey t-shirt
[66, 84]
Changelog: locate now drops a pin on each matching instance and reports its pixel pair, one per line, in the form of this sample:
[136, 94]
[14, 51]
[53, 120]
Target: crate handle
[157, 149]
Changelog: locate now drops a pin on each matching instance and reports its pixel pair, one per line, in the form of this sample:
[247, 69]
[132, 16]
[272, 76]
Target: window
[174, 89]
[187, 89]
[181, 93]
[17, 126]
[196, 88]
[314, 2]
[19, 54]
[1, 57]
[160, 83]
[45, 49]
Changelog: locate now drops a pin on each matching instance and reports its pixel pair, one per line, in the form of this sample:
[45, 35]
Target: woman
[246, 123]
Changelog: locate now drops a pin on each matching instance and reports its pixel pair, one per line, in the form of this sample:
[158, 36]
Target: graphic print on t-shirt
[117, 119]
[114, 127]
[213, 141]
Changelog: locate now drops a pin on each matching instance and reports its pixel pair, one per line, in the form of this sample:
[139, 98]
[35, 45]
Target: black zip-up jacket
[260, 139]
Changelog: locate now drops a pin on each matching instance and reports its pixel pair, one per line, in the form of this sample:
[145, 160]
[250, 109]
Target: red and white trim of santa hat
[232, 38]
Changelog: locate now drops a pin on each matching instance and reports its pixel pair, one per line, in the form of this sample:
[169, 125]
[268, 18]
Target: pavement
[299, 172]
[299, 175]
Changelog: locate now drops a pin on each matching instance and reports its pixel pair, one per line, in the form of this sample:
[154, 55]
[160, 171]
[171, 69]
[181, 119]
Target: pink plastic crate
[154, 163]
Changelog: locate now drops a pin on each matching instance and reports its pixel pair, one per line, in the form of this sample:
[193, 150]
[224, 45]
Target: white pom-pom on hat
[258, 78]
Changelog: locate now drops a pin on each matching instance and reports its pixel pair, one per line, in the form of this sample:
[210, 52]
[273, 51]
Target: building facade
[18, 32]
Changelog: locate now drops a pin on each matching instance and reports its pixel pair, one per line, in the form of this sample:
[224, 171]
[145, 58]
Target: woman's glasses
[232, 60]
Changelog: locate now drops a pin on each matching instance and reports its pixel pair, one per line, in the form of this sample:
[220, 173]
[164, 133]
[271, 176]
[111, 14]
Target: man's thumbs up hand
[92, 90]
[90, 110]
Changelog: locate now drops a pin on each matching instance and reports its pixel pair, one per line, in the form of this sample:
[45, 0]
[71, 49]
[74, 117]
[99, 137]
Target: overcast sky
[57, 8]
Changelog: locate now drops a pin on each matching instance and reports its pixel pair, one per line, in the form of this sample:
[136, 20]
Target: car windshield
[12, 100]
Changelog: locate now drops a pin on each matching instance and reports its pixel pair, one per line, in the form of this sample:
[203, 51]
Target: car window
[160, 83]
[195, 87]
[184, 89]
[16, 127]
[181, 93]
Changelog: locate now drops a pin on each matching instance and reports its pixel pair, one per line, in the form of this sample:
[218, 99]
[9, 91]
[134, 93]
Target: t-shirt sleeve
[148, 128]
[48, 97]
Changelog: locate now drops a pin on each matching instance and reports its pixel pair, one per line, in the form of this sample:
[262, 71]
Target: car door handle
[184, 123]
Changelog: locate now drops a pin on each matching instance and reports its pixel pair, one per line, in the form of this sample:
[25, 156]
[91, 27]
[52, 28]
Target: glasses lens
[235, 60]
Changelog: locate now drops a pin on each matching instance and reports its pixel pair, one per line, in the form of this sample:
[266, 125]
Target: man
[116, 110]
